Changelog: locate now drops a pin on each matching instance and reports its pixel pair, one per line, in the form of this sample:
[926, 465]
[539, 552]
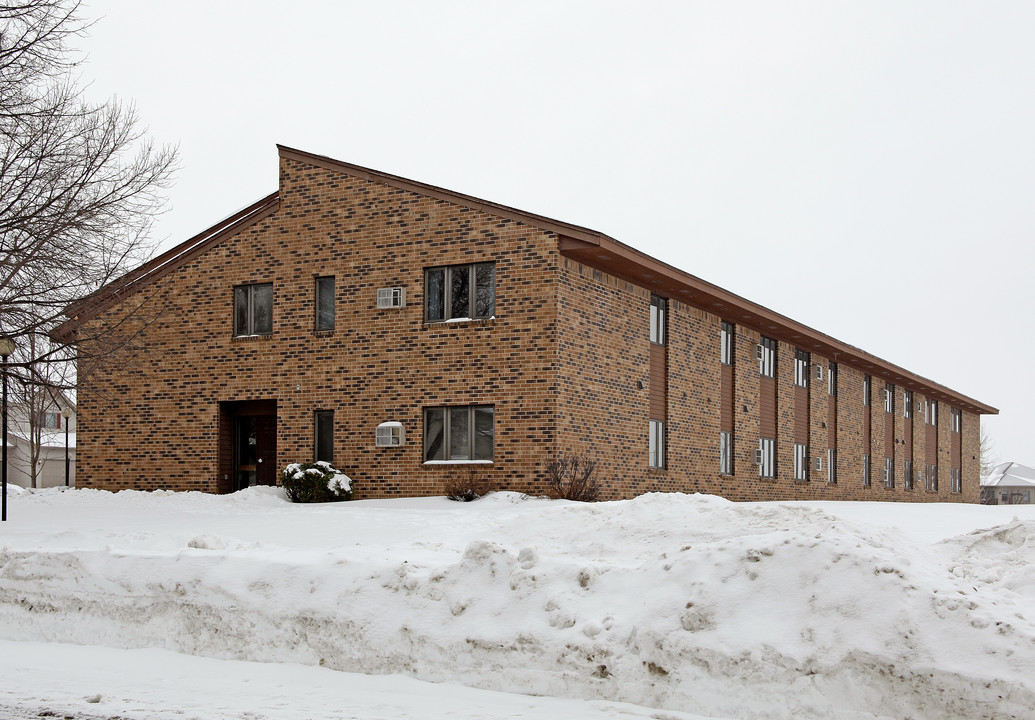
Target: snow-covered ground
[161, 605]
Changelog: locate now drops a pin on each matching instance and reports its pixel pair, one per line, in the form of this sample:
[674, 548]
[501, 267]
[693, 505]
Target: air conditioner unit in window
[819, 372]
[393, 297]
[390, 434]
[818, 463]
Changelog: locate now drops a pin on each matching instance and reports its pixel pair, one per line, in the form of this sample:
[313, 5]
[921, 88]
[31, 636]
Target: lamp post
[66, 413]
[6, 348]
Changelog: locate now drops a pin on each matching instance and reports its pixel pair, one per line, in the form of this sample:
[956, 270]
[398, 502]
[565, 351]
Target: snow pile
[686, 603]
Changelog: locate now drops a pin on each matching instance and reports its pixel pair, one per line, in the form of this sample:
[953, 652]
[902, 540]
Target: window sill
[459, 462]
[463, 322]
[323, 333]
[251, 338]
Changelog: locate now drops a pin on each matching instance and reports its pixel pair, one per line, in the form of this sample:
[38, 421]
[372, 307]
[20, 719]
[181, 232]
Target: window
[831, 466]
[907, 476]
[931, 412]
[956, 418]
[801, 461]
[832, 379]
[458, 434]
[460, 292]
[907, 403]
[725, 453]
[50, 420]
[325, 303]
[656, 444]
[658, 310]
[866, 470]
[889, 472]
[726, 344]
[323, 425]
[765, 457]
[253, 309]
[889, 398]
[866, 390]
[956, 480]
[932, 478]
[767, 357]
[801, 368]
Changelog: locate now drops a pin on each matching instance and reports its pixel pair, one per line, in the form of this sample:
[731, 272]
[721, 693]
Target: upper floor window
[325, 303]
[458, 434]
[907, 403]
[866, 390]
[931, 412]
[460, 292]
[801, 368]
[253, 309]
[832, 379]
[658, 311]
[889, 398]
[726, 344]
[50, 420]
[767, 356]
[956, 418]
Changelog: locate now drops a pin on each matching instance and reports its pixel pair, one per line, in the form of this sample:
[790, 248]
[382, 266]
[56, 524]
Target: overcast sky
[865, 168]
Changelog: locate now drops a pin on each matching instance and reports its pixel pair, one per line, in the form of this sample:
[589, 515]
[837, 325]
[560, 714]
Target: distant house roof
[1010, 474]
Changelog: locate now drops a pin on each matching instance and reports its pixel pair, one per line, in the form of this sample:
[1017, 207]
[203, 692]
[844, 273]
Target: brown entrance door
[248, 450]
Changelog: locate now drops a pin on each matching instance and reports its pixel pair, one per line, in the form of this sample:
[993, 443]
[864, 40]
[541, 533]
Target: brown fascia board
[604, 252]
[151, 271]
[640, 269]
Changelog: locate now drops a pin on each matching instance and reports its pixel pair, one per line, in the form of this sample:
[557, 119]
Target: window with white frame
[866, 470]
[866, 390]
[889, 398]
[325, 303]
[832, 379]
[726, 336]
[253, 309]
[907, 475]
[889, 472]
[907, 403]
[801, 461]
[801, 368]
[656, 444]
[460, 292]
[831, 466]
[725, 453]
[767, 357]
[459, 433]
[956, 480]
[765, 457]
[932, 478]
[956, 419]
[50, 420]
[658, 311]
[931, 412]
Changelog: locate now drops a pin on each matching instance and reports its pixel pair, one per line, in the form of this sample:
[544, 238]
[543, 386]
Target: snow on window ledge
[458, 462]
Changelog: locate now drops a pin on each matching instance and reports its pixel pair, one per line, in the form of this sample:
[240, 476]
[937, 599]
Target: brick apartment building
[399, 330]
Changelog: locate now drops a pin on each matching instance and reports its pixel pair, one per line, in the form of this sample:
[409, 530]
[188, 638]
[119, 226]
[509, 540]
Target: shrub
[315, 482]
[464, 485]
[572, 476]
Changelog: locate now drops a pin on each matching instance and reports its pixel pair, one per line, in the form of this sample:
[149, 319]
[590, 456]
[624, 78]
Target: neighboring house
[1009, 483]
[36, 441]
[402, 330]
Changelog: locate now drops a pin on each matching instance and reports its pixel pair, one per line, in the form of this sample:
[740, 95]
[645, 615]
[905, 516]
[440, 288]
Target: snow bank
[689, 603]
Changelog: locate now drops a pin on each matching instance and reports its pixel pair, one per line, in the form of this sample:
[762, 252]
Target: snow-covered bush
[315, 482]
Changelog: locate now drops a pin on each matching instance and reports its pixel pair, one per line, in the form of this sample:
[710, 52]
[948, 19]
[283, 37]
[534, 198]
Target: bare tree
[987, 458]
[79, 188]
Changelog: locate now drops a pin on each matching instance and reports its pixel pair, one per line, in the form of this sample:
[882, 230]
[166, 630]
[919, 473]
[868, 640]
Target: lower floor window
[831, 466]
[726, 453]
[956, 479]
[801, 461]
[889, 472]
[323, 426]
[765, 457]
[907, 476]
[866, 470]
[458, 434]
[932, 478]
[656, 443]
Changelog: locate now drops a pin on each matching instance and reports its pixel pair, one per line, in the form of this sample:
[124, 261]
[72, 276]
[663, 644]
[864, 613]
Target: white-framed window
[325, 303]
[932, 478]
[907, 403]
[801, 461]
[658, 313]
[831, 466]
[907, 475]
[253, 309]
[725, 452]
[889, 472]
[889, 398]
[801, 368]
[866, 470]
[832, 379]
[866, 390]
[726, 335]
[765, 457]
[767, 357]
[459, 292]
[931, 412]
[656, 443]
[389, 434]
[323, 432]
[50, 420]
[956, 419]
[459, 433]
[956, 480]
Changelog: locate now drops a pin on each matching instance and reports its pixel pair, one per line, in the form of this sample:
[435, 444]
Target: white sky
[865, 168]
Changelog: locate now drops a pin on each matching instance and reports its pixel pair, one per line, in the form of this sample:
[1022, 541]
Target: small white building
[41, 442]
[1009, 483]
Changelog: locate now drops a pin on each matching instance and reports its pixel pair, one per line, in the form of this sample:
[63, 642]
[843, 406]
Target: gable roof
[1010, 474]
[581, 244]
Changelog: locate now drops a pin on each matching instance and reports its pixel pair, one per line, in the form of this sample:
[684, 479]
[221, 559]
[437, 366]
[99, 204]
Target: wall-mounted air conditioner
[390, 434]
[392, 297]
